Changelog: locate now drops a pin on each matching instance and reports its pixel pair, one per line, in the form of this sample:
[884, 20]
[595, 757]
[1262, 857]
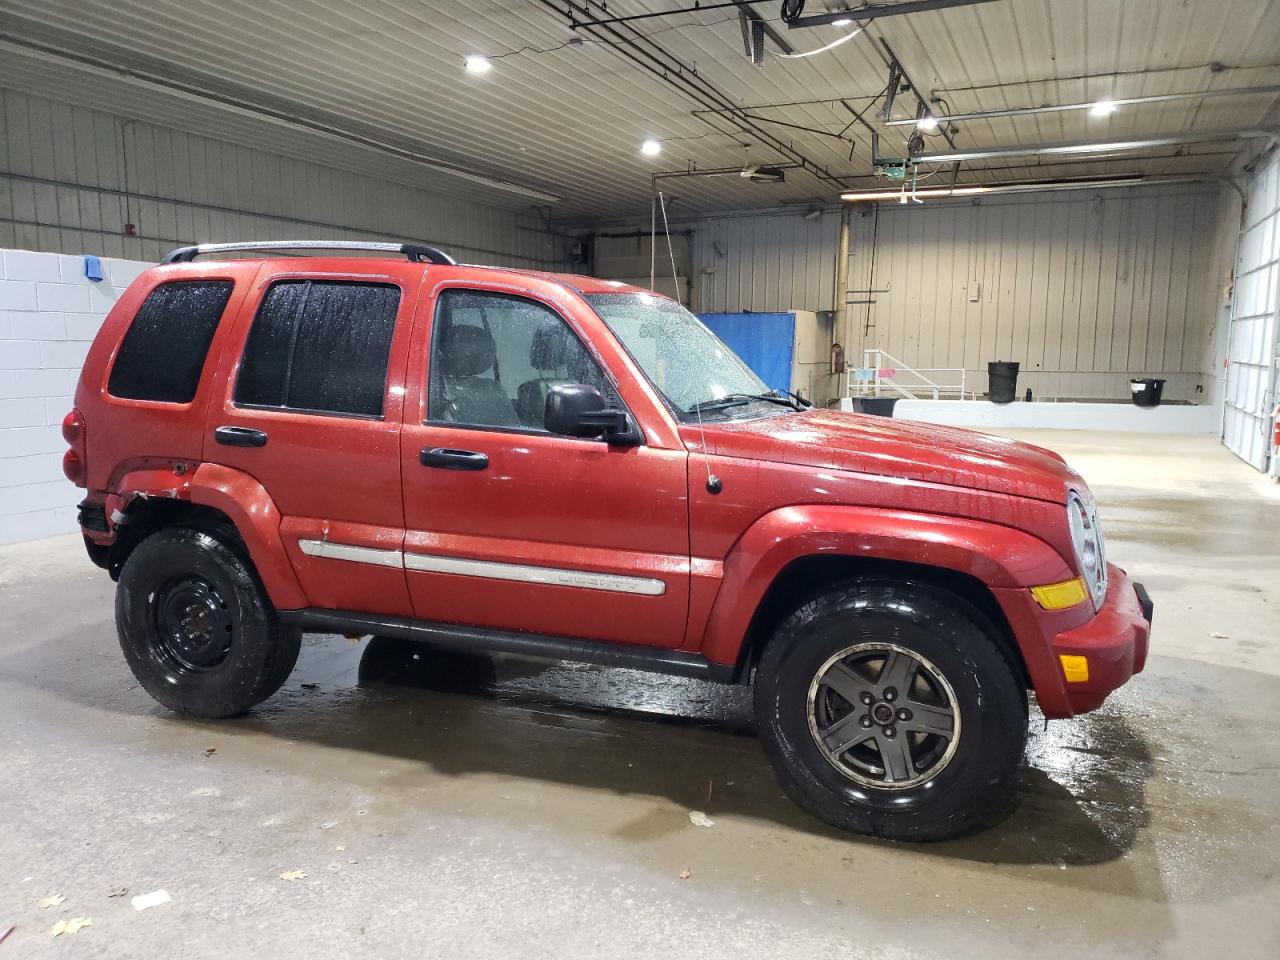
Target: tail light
[73, 461]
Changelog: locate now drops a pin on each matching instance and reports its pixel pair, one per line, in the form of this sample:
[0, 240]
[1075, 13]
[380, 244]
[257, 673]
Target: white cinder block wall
[49, 314]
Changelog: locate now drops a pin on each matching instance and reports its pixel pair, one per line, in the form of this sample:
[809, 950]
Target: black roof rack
[416, 252]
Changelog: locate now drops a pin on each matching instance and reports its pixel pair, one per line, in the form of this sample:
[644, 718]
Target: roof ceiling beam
[1067, 107]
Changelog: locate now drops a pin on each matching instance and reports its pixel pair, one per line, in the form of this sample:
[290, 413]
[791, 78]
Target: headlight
[1086, 538]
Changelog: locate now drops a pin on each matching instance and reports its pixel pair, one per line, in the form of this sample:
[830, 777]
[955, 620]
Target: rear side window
[320, 346]
[164, 348]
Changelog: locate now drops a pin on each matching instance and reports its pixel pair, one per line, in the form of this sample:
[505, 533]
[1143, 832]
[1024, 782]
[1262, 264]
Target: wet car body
[614, 509]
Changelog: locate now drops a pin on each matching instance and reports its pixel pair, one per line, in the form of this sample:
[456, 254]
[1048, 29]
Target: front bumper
[1114, 642]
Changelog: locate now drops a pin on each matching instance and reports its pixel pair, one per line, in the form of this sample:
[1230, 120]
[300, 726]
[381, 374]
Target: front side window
[163, 352]
[687, 363]
[320, 346]
[495, 357]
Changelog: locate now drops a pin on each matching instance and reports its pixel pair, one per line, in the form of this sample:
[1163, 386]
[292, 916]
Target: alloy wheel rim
[193, 626]
[883, 716]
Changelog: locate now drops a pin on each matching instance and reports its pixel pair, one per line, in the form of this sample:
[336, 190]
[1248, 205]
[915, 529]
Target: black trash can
[877, 406]
[1146, 391]
[1002, 380]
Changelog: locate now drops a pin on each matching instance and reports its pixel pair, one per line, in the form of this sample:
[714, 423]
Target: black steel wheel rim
[883, 716]
[192, 625]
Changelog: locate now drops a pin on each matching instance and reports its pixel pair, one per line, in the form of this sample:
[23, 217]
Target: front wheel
[197, 628]
[888, 708]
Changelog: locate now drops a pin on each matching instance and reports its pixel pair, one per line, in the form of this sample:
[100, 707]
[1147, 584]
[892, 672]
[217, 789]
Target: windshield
[690, 365]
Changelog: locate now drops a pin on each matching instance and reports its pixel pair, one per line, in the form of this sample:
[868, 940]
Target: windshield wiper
[740, 400]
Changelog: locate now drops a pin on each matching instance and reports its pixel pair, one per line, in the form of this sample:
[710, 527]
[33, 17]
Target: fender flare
[243, 500]
[996, 555]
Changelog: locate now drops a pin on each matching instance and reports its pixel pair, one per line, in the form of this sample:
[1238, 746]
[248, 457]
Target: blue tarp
[763, 340]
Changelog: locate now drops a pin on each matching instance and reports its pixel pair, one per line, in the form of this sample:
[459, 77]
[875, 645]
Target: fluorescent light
[1103, 108]
[900, 194]
[1026, 186]
[651, 148]
[478, 64]
[843, 22]
[927, 123]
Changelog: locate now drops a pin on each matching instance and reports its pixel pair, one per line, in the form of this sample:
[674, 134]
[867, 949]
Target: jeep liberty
[559, 466]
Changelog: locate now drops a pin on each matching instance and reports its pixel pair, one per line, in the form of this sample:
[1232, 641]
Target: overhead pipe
[842, 266]
[871, 12]
[840, 296]
[1067, 107]
[1094, 146]
[876, 11]
[667, 67]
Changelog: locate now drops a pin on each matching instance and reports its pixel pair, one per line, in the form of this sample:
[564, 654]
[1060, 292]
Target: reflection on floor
[468, 806]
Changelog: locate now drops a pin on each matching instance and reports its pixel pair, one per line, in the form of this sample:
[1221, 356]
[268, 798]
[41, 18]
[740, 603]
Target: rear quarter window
[164, 349]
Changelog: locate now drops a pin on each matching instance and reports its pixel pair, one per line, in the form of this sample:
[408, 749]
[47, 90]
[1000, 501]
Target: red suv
[574, 468]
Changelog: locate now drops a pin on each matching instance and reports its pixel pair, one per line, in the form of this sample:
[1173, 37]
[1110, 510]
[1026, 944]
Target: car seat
[465, 354]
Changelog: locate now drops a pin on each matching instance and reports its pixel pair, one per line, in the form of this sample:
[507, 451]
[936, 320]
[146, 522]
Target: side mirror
[577, 410]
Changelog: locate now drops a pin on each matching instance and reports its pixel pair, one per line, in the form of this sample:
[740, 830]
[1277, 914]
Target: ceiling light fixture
[651, 147]
[1024, 186]
[928, 123]
[899, 194]
[478, 64]
[844, 22]
[1103, 108]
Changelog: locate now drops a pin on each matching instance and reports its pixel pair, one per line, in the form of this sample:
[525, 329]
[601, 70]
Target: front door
[511, 527]
[312, 411]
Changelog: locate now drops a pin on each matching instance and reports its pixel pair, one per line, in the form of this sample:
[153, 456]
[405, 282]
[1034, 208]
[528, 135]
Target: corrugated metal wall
[625, 257]
[767, 262]
[1083, 289]
[763, 262]
[71, 178]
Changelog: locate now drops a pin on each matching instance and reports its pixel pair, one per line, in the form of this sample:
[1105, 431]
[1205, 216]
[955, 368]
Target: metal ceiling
[380, 87]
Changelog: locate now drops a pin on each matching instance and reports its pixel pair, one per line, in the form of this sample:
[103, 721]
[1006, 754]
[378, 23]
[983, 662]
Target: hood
[906, 449]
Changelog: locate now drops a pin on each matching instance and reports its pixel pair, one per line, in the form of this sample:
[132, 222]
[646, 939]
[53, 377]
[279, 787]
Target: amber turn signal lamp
[1074, 667]
[1059, 596]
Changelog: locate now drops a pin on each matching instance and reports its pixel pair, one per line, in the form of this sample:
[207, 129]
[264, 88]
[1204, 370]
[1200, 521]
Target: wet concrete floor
[465, 806]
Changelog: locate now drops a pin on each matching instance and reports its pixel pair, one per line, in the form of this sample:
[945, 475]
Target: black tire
[963, 787]
[197, 628]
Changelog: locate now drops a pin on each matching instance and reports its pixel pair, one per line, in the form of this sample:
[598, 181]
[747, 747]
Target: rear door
[312, 410]
[511, 527]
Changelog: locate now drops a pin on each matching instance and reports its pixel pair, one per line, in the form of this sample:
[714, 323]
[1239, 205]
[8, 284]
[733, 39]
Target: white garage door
[1251, 353]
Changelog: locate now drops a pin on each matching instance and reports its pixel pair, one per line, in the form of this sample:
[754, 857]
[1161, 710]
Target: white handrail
[876, 360]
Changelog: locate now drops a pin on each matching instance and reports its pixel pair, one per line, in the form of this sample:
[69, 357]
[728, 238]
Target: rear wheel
[196, 627]
[888, 708]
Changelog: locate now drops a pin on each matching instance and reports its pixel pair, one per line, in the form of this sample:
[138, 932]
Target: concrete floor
[471, 807]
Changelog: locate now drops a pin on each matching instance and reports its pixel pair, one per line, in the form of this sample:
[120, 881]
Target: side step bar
[632, 656]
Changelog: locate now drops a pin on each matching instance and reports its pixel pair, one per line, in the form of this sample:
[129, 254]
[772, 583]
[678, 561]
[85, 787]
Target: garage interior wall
[1083, 288]
[763, 262]
[71, 178]
[49, 314]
